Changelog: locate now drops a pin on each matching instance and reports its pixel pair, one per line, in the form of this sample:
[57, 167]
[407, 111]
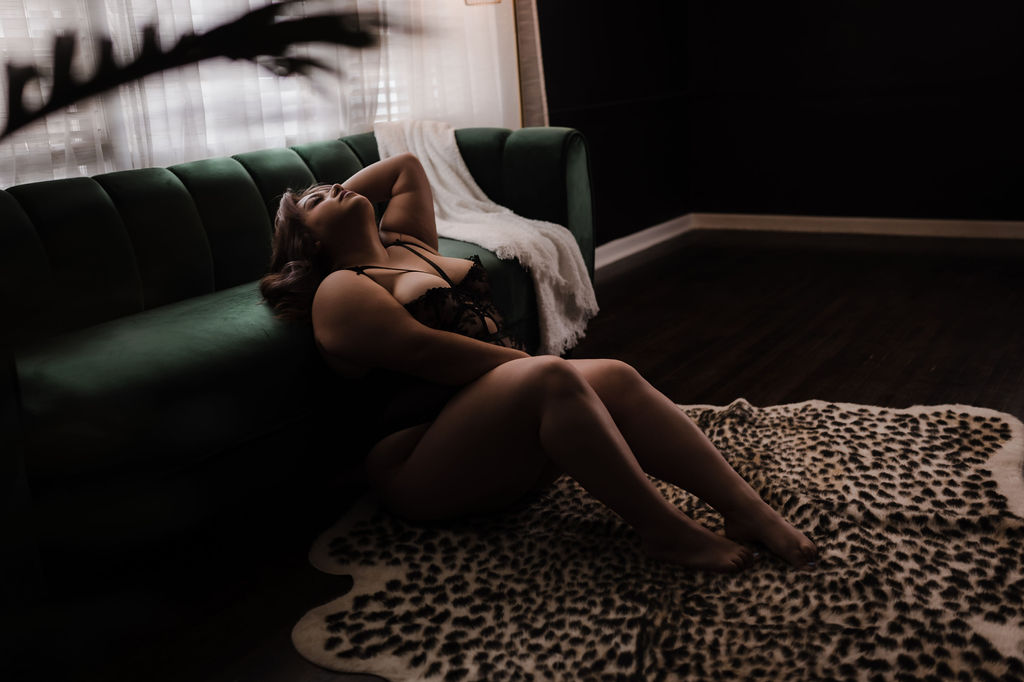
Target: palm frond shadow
[261, 36]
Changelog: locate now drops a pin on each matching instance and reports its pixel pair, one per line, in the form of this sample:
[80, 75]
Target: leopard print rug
[917, 514]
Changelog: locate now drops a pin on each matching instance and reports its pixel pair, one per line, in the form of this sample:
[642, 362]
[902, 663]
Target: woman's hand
[401, 181]
[359, 322]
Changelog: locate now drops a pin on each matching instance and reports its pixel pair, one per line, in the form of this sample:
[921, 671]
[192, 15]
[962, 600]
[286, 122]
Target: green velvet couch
[146, 387]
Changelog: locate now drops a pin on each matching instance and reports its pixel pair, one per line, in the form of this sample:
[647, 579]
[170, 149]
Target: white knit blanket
[549, 252]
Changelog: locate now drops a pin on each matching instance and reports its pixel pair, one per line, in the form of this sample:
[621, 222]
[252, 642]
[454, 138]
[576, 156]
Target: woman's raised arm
[401, 182]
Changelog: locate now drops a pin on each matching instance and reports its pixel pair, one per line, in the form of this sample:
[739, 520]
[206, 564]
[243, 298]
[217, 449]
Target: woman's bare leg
[669, 446]
[500, 435]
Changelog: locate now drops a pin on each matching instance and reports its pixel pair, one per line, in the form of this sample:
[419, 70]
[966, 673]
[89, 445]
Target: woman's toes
[765, 526]
[738, 563]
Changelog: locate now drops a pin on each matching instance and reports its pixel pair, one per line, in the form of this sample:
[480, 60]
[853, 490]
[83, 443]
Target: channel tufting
[135, 240]
[171, 250]
[230, 209]
[95, 275]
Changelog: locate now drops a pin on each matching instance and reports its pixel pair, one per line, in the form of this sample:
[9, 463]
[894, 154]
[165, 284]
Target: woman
[469, 422]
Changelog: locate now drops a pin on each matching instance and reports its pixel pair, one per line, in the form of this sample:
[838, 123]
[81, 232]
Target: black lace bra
[464, 307]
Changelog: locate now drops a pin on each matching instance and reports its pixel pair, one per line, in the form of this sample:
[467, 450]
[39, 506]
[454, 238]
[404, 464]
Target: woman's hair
[297, 267]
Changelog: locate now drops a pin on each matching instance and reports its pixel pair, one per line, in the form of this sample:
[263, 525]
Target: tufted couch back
[81, 251]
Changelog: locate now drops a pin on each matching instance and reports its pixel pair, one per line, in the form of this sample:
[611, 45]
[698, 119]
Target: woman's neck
[366, 252]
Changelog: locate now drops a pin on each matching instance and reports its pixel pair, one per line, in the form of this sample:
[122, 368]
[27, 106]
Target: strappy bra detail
[432, 264]
[361, 269]
[464, 307]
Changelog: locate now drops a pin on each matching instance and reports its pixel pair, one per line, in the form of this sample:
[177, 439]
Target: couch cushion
[166, 387]
[91, 257]
[231, 210]
[170, 245]
[364, 146]
[331, 161]
[274, 171]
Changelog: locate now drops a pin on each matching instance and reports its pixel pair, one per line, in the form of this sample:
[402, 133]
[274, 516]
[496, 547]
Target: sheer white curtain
[439, 59]
[457, 64]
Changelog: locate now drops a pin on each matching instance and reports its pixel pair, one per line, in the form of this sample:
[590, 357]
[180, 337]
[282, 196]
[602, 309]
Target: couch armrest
[546, 176]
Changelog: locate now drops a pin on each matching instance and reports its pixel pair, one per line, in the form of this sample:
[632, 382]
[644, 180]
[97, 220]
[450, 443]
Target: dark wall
[620, 78]
[863, 108]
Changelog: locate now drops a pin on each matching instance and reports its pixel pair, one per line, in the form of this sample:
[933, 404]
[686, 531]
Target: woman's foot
[759, 523]
[690, 544]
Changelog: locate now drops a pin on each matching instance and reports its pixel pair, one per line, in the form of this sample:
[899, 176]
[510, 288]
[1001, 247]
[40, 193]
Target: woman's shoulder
[344, 293]
[338, 278]
[342, 288]
[336, 283]
[335, 306]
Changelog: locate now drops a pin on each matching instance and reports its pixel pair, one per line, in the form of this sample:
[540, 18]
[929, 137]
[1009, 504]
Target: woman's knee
[549, 375]
[615, 379]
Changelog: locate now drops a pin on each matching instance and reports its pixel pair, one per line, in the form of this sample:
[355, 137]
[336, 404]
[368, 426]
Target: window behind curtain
[459, 65]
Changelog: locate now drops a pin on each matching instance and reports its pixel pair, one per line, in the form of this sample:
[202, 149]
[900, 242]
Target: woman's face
[330, 208]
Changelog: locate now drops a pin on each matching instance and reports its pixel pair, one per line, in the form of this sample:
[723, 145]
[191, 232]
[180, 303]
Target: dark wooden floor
[779, 318]
[771, 318]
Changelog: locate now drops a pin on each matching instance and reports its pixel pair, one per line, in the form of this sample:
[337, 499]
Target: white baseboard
[621, 249]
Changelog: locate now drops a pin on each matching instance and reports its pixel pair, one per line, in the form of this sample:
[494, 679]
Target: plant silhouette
[261, 36]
